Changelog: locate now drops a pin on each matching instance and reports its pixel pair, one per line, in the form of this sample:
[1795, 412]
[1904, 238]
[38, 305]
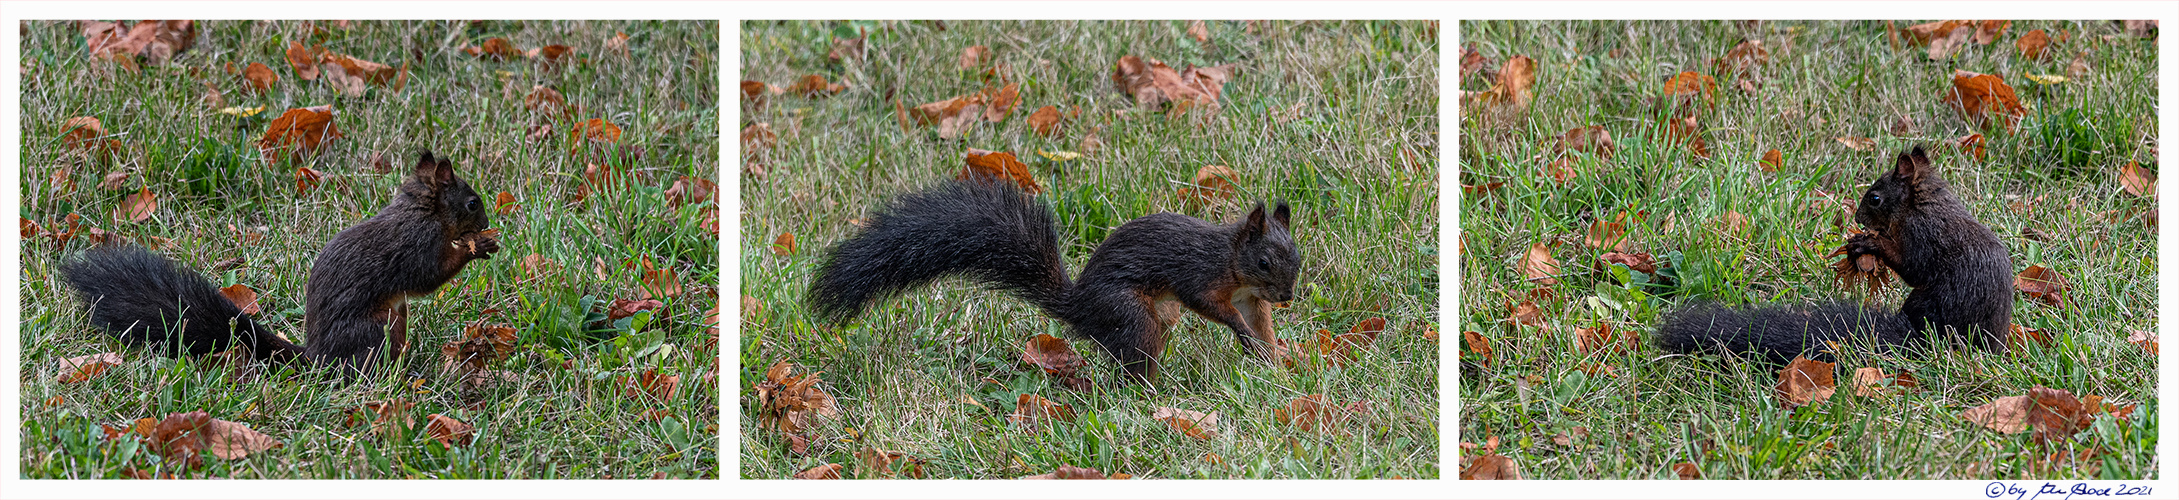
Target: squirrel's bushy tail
[147, 301]
[1777, 334]
[986, 230]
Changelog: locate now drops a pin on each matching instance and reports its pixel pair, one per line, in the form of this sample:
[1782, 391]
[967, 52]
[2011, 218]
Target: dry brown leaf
[1490, 466]
[480, 346]
[651, 385]
[155, 42]
[1687, 471]
[1806, 381]
[137, 207]
[1153, 84]
[300, 131]
[1212, 183]
[1973, 145]
[1976, 96]
[1059, 361]
[999, 165]
[2043, 285]
[2145, 339]
[814, 87]
[1527, 313]
[1601, 338]
[1474, 342]
[1745, 60]
[1871, 382]
[1192, 423]
[618, 44]
[1045, 121]
[82, 368]
[1858, 143]
[826, 471]
[1072, 472]
[243, 298]
[497, 49]
[260, 76]
[791, 404]
[1772, 161]
[1689, 87]
[1031, 411]
[2033, 45]
[2137, 181]
[1538, 265]
[1591, 139]
[974, 57]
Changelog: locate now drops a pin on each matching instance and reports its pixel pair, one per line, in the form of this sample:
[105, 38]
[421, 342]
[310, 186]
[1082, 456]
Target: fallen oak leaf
[1805, 381]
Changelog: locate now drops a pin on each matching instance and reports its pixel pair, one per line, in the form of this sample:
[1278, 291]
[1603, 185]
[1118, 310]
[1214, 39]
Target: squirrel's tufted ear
[1913, 166]
[433, 170]
[1284, 215]
[1252, 226]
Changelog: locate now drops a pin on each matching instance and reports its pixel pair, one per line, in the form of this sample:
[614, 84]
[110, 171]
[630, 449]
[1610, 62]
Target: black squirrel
[1126, 297]
[356, 295]
[1961, 274]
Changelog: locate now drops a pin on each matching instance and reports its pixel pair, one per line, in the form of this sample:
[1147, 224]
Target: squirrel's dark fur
[1127, 295]
[1960, 272]
[355, 297]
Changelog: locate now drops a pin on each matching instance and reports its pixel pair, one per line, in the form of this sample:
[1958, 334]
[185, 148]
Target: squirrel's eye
[472, 205]
[1262, 263]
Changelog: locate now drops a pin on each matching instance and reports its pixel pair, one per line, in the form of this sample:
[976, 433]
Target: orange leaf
[812, 86]
[1212, 182]
[301, 130]
[261, 76]
[503, 203]
[1773, 160]
[450, 432]
[1806, 381]
[2033, 45]
[1476, 343]
[242, 296]
[137, 207]
[306, 179]
[1975, 96]
[595, 129]
[1687, 471]
[1031, 410]
[1045, 121]
[1973, 144]
[826, 471]
[304, 60]
[999, 165]
[783, 245]
[497, 49]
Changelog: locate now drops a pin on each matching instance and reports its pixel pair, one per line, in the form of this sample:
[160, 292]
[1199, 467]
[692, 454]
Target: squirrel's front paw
[1862, 243]
[479, 245]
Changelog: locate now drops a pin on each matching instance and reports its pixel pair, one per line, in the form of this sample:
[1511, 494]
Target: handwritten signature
[2060, 491]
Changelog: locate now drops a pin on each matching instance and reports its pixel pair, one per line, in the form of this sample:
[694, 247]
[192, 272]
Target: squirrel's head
[435, 188]
[1911, 180]
[1265, 252]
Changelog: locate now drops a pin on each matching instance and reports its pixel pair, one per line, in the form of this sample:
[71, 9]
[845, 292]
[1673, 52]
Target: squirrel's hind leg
[1132, 330]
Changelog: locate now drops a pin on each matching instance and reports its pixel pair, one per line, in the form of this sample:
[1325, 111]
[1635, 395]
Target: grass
[934, 374]
[2050, 191]
[560, 413]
